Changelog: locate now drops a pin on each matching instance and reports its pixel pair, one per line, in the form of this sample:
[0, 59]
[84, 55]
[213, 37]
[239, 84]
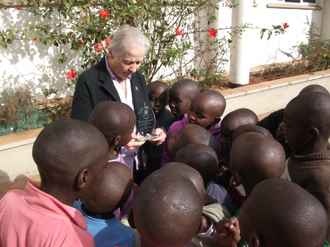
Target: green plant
[49, 91]
[175, 28]
[314, 55]
[59, 111]
[18, 113]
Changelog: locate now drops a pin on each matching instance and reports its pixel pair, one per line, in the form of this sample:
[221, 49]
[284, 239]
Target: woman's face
[126, 64]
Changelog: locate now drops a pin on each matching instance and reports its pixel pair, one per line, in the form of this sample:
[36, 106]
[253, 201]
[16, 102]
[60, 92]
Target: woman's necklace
[123, 87]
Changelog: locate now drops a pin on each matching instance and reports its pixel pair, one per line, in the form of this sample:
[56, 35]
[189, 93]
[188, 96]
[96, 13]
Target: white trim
[293, 6]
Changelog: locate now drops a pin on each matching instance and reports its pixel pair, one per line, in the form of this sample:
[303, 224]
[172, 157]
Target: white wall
[32, 63]
[263, 51]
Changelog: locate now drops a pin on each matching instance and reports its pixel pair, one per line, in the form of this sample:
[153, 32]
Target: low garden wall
[16, 150]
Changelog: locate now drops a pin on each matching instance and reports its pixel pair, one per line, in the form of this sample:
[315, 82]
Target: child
[71, 156]
[181, 95]
[250, 128]
[273, 121]
[212, 212]
[116, 122]
[98, 209]
[232, 121]
[280, 213]
[158, 96]
[191, 173]
[167, 209]
[205, 110]
[255, 157]
[191, 133]
[307, 129]
[205, 161]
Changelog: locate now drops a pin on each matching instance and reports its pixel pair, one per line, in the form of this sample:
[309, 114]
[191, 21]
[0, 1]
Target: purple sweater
[176, 126]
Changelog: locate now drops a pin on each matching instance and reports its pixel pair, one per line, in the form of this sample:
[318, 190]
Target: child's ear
[314, 133]
[83, 178]
[254, 242]
[130, 218]
[117, 140]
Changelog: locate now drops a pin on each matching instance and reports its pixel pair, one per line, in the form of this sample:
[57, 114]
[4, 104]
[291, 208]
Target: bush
[179, 31]
[314, 55]
[18, 113]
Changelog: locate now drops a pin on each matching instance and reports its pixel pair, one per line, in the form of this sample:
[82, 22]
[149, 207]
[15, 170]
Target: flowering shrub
[212, 32]
[179, 40]
[71, 74]
[315, 54]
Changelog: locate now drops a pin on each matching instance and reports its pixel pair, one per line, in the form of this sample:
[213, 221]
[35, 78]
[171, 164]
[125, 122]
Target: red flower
[18, 8]
[80, 43]
[71, 74]
[99, 47]
[141, 0]
[164, 64]
[104, 13]
[107, 41]
[285, 25]
[36, 39]
[178, 31]
[212, 32]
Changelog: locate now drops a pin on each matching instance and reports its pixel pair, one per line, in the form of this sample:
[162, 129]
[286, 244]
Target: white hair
[127, 37]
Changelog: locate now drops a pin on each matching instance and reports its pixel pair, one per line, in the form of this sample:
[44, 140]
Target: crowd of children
[215, 181]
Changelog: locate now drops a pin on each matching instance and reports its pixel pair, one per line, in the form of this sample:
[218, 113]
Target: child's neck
[112, 152]
[57, 192]
[104, 216]
[317, 146]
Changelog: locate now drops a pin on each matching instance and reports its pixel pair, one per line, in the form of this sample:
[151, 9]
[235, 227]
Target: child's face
[280, 133]
[202, 113]
[126, 137]
[175, 143]
[227, 128]
[295, 132]
[158, 99]
[179, 102]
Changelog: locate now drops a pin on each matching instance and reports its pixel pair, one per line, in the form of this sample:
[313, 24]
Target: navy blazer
[95, 85]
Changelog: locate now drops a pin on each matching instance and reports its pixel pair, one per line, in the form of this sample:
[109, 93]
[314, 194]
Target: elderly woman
[117, 78]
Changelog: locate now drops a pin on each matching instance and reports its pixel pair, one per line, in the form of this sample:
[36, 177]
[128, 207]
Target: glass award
[145, 123]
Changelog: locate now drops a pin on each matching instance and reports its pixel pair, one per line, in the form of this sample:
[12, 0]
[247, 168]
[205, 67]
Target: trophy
[145, 123]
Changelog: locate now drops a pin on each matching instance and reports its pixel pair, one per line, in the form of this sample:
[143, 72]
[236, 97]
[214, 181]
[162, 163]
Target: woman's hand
[161, 137]
[133, 144]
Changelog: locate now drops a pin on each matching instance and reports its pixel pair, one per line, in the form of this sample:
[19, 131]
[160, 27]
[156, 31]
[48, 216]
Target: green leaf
[12, 37]
[3, 44]
[269, 34]
[25, 34]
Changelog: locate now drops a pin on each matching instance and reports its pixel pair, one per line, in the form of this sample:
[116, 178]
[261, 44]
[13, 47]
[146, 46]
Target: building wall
[32, 63]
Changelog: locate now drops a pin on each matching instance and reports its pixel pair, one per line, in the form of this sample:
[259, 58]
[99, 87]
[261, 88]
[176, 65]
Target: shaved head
[114, 191]
[191, 173]
[281, 213]
[255, 157]
[167, 209]
[200, 157]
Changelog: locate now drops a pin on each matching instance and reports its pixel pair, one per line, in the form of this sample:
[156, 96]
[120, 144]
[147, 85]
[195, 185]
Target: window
[298, 1]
